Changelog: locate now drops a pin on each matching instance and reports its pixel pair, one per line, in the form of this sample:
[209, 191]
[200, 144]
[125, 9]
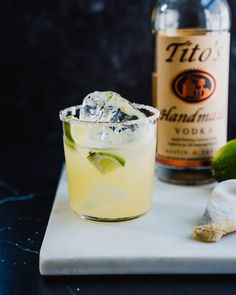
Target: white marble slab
[158, 243]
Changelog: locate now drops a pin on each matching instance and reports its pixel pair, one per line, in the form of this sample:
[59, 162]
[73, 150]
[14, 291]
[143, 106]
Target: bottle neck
[206, 3]
[200, 3]
[209, 15]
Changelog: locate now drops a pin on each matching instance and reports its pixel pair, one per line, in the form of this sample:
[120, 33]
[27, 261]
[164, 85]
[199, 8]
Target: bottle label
[192, 96]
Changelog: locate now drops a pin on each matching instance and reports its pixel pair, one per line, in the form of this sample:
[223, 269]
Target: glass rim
[63, 114]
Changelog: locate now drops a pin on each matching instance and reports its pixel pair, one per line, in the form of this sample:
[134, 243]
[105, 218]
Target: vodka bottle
[190, 86]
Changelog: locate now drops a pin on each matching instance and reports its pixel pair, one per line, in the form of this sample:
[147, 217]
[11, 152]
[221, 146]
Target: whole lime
[224, 162]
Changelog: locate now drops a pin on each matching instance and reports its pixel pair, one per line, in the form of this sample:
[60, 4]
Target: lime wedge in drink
[74, 132]
[115, 100]
[105, 162]
[66, 127]
[224, 162]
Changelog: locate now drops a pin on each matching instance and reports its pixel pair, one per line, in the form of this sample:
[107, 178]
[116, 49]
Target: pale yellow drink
[121, 192]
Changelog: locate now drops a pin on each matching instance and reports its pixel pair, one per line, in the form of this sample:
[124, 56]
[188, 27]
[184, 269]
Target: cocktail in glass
[110, 166]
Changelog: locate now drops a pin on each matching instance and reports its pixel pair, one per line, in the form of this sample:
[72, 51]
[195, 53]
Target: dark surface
[52, 53]
[23, 217]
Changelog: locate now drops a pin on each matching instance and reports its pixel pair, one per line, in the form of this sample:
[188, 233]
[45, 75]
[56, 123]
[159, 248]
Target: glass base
[185, 176]
[92, 218]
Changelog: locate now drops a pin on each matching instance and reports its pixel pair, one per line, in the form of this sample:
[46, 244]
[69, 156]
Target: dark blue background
[53, 53]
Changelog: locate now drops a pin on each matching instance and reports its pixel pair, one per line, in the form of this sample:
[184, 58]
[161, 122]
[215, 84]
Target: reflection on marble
[14, 196]
[5, 228]
[18, 198]
[19, 246]
[7, 187]
[5, 197]
[71, 291]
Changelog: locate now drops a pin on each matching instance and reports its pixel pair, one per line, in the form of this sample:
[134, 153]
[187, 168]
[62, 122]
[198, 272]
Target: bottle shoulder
[211, 15]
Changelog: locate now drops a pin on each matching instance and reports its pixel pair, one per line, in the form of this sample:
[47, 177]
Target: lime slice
[224, 162]
[74, 133]
[116, 100]
[105, 162]
[66, 127]
[109, 94]
[69, 143]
